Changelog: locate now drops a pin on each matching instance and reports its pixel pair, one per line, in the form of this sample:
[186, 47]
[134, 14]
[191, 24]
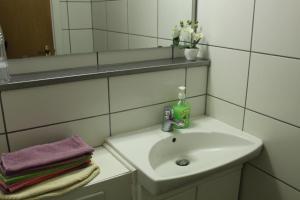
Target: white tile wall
[228, 74]
[99, 15]
[270, 86]
[117, 16]
[227, 112]
[197, 105]
[227, 22]
[196, 80]
[3, 144]
[277, 27]
[148, 116]
[93, 131]
[138, 90]
[179, 10]
[117, 41]
[259, 186]
[146, 23]
[281, 142]
[81, 41]
[141, 42]
[80, 15]
[274, 87]
[55, 103]
[100, 40]
[123, 122]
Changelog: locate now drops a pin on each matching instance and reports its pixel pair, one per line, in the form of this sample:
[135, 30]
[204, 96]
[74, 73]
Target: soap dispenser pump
[182, 110]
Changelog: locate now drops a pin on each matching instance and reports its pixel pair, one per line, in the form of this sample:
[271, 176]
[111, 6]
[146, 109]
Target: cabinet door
[187, 195]
[96, 196]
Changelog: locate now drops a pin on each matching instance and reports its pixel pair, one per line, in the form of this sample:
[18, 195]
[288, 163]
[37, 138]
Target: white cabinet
[113, 183]
[187, 195]
[223, 185]
[96, 196]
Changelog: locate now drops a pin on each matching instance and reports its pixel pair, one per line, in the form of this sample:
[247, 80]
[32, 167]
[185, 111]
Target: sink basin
[203, 151]
[165, 161]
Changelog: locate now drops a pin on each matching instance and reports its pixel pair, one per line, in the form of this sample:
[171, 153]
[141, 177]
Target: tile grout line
[90, 117]
[69, 31]
[57, 123]
[206, 96]
[269, 174]
[92, 23]
[249, 64]
[109, 106]
[257, 112]
[4, 123]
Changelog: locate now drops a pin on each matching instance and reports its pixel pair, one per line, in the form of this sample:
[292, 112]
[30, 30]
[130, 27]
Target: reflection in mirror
[59, 27]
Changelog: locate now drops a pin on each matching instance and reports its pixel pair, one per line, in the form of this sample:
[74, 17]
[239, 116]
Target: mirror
[59, 27]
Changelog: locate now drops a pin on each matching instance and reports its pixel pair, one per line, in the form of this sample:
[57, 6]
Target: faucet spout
[168, 121]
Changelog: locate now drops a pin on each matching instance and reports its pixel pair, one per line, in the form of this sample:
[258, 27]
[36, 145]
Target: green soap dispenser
[182, 110]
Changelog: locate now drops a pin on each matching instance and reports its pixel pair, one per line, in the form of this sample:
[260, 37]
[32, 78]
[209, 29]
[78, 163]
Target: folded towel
[21, 185]
[42, 155]
[8, 180]
[56, 186]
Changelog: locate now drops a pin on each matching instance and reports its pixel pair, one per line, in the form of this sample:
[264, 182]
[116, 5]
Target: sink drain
[182, 162]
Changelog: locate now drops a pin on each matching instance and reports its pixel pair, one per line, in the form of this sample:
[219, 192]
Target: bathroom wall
[99, 108]
[254, 84]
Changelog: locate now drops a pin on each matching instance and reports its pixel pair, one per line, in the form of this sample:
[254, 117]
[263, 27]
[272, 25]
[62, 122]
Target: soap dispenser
[182, 110]
[4, 75]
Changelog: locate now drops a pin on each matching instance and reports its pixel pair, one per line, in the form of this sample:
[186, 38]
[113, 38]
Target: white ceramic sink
[209, 146]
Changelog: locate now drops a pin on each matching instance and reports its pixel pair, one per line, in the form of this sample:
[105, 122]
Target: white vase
[191, 54]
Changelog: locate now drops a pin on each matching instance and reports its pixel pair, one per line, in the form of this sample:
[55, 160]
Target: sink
[165, 161]
[201, 151]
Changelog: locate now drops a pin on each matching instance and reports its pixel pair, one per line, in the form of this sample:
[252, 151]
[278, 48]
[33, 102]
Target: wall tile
[226, 112]
[276, 159]
[134, 55]
[197, 105]
[117, 16]
[81, 41]
[126, 121]
[274, 87]
[227, 22]
[123, 122]
[100, 40]
[54, 103]
[80, 15]
[137, 42]
[137, 90]
[117, 41]
[164, 43]
[3, 144]
[260, 186]
[196, 80]
[181, 10]
[146, 23]
[99, 15]
[228, 74]
[267, 38]
[39, 64]
[92, 130]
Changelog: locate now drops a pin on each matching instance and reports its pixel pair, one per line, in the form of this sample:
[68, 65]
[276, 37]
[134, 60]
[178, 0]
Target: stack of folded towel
[32, 171]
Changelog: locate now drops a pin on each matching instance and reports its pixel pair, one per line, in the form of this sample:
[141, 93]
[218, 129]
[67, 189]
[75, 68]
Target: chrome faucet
[168, 121]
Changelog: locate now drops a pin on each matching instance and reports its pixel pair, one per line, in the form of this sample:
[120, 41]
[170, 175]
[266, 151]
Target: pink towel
[42, 155]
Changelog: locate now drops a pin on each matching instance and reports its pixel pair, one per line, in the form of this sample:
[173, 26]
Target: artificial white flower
[197, 36]
[176, 32]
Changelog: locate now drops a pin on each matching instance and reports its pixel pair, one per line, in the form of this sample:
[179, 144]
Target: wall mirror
[59, 27]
